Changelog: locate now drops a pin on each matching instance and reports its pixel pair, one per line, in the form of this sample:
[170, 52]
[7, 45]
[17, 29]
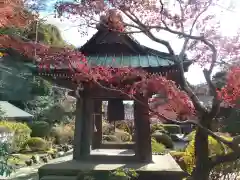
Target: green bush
[63, 134]
[179, 158]
[21, 133]
[172, 128]
[177, 154]
[191, 136]
[157, 147]
[40, 129]
[107, 128]
[111, 138]
[126, 126]
[37, 144]
[215, 148]
[163, 139]
[6, 169]
[122, 135]
[157, 127]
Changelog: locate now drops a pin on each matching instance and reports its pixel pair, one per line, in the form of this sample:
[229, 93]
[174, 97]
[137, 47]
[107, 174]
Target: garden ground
[30, 173]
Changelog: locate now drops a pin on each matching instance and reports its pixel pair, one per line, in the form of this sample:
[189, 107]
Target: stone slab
[160, 163]
[162, 167]
[113, 152]
[58, 178]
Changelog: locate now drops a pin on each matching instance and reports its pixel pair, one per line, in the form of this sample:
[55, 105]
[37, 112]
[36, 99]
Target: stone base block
[163, 167]
[58, 178]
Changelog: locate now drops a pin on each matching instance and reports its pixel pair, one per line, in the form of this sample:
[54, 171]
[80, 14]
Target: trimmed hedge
[172, 128]
[40, 129]
[163, 139]
[37, 144]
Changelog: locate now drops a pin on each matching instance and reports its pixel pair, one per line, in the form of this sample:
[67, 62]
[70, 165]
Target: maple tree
[197, 25]
[203, 44]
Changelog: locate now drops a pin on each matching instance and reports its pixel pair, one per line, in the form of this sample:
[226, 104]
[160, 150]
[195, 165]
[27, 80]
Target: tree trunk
[202, 169]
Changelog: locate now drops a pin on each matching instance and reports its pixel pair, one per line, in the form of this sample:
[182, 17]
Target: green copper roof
[129, 61]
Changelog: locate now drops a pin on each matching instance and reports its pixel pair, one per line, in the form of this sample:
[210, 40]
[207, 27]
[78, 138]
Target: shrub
[63, 134]
[191, 136]
[179, 158]
[215, 148]
[6, 169]
[122, 135]
[21, 133]
[40, 129]
[37, 144]
[126, 126]
[163, 139]
[177, 154]
[157, 147]
[172, 128]
[107, 128]
[111, 138]
[157, 127]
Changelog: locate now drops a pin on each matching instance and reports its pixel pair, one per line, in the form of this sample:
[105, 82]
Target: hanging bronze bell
[115, 110]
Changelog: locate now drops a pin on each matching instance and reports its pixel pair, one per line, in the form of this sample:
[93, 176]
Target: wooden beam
[104, 94]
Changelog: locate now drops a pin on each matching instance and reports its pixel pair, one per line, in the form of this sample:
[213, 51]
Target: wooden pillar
[97, 135]
[78, 129]
[83, 128]
[87, 124]
[143, 147]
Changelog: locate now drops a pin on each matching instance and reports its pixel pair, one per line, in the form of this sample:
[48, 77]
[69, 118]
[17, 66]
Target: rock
[65, 148]
[61, 153]
[54, 155]
[35, 159]
[29, 162]
[60, 148]
[44, 159]
[49, 156]
[17, 165]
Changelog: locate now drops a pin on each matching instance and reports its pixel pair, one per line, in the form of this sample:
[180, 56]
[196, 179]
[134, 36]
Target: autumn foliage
[193, 21]
[145, 15]
[13, 14]
[230, 92]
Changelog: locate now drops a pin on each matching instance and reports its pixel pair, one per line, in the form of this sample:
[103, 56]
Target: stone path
[30, 173]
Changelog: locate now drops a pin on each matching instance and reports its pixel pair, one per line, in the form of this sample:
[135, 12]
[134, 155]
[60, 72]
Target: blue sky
[71, 35]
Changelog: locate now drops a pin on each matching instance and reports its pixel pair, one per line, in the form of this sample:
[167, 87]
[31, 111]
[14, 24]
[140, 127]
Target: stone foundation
[163, 167]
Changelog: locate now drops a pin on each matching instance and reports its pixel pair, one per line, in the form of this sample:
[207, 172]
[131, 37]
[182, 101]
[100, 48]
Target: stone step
[58, 178]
